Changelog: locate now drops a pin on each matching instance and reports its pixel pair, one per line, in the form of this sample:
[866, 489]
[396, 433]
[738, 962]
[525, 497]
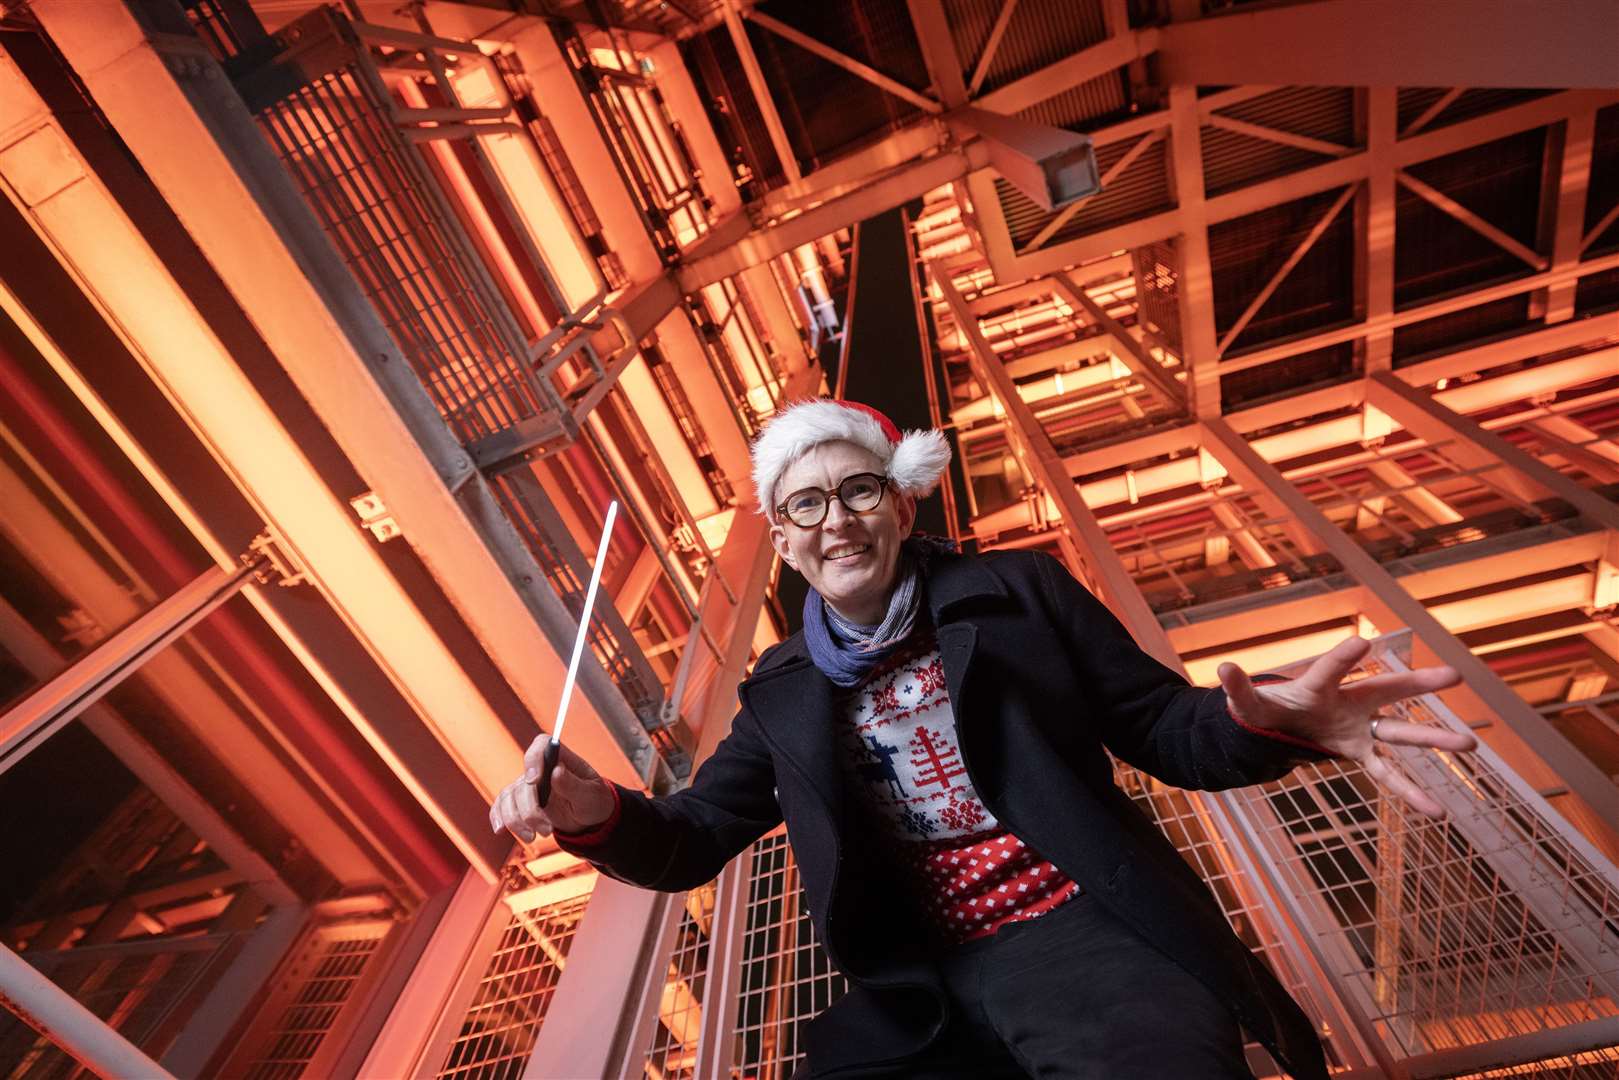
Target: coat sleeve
[684, 840]
[1148, 715]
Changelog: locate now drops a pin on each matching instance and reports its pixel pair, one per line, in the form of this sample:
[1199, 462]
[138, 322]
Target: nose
[837, 516]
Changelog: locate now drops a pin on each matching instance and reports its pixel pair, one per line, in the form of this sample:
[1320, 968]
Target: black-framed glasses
[858, 493]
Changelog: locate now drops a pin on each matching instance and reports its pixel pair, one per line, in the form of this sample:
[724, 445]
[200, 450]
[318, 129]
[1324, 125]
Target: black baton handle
[552, 750]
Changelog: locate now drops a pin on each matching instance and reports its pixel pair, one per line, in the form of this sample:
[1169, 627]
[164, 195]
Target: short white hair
[913, 461]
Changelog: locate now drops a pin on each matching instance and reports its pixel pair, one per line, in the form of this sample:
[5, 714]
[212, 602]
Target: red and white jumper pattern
[898, 737]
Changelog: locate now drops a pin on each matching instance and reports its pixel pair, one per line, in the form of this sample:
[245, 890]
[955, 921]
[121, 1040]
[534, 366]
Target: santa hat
[913, 461]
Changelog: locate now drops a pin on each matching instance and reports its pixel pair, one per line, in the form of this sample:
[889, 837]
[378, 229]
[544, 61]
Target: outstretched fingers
[1382, 690]
[1332, 666]
[1405, 733]
[1396, 783]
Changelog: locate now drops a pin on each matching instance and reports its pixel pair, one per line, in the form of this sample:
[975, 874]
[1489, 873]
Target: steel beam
[1420, 313]
[1130, 351]
[1415, 410]
[94, 675]
[1375, 239]
[779, 142]
[1044, 466]
[1072, 70]
[1582, 777]
[847, 63]
[1294, 257]
[51, 1011]
[1572, 183]
[1195, 287]
[1494, 234]
[716, 1042]
[401, 1044]
[1268, 193]
[932, 27]
[1003, 18]
[192, 695]
[36, 656]
[594, 1009]
[1397, 43]
[895, 188]
[236, 991]
[365, 401]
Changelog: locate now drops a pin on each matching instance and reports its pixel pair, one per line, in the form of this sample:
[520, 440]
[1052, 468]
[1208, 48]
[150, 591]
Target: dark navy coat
[1042, 678]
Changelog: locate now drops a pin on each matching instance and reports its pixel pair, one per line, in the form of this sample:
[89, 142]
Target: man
[934, 739]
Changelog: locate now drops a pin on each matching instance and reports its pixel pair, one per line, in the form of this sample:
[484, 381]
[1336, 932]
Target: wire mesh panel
[325, 110]
[1600, 1064]
[140, 989]
[322, 981]
[787, 979]
[1498, 921]
[1193, 823]
[498, 1032]
[673, 1053]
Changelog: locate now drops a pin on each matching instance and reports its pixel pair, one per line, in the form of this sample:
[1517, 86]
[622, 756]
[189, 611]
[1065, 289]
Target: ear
[778, 540]
[905, 508]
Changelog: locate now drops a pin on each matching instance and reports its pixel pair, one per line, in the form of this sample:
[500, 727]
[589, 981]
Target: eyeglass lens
[857, 493]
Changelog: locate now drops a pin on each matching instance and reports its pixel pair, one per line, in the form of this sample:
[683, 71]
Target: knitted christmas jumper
[968, 875]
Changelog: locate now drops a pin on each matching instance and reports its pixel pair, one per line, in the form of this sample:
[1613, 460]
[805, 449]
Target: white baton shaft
[553, 746]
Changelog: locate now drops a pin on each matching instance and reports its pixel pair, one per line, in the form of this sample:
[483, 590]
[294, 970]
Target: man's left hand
[1321, 707]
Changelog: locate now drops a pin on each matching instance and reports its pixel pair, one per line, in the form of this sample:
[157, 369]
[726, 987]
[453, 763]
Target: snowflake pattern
[930, 679]
[916, 822]
[963, 816]
[885, 700]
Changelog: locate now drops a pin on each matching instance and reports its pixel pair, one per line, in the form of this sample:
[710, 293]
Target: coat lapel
[797, 711]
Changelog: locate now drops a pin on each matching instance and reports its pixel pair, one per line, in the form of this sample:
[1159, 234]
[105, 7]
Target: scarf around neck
[847, 652]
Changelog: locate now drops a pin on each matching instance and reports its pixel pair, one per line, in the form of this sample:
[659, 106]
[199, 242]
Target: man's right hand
[580, 798]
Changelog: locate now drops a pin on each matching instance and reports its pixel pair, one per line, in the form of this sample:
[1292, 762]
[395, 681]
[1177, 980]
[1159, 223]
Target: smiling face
[850, 559]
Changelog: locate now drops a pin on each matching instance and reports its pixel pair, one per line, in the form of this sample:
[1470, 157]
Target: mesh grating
[673, 1053]
[1189, 820]
[500, 1026]
[336, 962]
[786, 977]
[1497, 921]
[383, 211]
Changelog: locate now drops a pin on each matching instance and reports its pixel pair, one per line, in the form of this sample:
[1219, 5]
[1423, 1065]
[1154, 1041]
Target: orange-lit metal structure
[327, 332]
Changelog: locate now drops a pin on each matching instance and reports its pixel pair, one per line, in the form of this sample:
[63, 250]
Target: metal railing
[142, 989]
[787, 979]
[1497, 924]
[509, 1004]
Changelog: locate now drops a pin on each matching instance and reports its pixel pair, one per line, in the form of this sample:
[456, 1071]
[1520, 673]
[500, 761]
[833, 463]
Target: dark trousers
[1076, 994]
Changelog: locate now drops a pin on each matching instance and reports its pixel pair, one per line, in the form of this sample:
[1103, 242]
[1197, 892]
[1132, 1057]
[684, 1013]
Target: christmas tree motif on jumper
[934, 764]
[883, 767]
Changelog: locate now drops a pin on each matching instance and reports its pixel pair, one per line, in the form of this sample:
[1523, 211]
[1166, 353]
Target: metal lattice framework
[1497, 924]
[512, 995]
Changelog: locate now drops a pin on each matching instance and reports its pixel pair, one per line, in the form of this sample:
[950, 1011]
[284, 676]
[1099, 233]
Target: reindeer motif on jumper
[900, 736]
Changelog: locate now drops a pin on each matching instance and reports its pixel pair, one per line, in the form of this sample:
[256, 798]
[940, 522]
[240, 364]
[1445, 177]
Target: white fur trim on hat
[914, 464]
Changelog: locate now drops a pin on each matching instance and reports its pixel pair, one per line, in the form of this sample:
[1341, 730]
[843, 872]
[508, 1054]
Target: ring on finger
[1375, 721]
